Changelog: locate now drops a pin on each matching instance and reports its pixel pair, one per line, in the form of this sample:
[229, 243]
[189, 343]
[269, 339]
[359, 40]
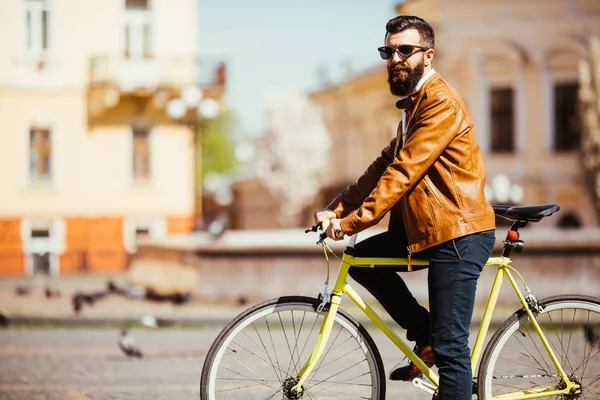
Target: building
[516, 65]
[89, 156]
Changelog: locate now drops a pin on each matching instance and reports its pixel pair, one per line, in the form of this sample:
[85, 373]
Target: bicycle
[300, 347]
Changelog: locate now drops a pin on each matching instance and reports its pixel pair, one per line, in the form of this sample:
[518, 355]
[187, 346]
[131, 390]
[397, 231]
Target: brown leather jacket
[433, 184]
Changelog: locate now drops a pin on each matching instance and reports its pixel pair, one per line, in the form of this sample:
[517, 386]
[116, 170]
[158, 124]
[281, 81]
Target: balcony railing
[134, 74]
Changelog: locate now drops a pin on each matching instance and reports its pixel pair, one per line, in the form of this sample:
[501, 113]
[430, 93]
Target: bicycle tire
[516, 360]
[239, 364]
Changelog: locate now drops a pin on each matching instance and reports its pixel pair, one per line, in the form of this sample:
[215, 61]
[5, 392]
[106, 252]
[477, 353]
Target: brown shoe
[410, 371]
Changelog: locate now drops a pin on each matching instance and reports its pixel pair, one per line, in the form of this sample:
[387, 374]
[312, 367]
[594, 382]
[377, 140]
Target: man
[431, 178]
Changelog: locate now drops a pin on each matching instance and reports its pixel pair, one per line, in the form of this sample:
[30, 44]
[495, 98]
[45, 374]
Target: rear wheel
[259, 354]
[515, 359]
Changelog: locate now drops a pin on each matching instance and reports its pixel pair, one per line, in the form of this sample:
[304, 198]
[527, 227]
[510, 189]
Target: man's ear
[429, 57]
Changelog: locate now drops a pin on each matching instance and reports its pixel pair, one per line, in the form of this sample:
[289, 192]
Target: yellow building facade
[515, 63]
[89, 156]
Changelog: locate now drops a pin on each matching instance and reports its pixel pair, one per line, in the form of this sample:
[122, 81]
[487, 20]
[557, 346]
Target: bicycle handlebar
[322, 226]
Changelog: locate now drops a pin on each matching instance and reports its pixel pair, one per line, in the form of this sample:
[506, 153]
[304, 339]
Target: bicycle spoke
[267, 352]
[261, 380]
[272, 344]
[259, 356]
[517, 360]
[252, 353]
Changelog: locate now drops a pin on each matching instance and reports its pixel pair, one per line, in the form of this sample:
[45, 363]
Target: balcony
[121, 88]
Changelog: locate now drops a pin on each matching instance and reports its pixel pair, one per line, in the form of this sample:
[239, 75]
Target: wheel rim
[519, 361]
[262, 354]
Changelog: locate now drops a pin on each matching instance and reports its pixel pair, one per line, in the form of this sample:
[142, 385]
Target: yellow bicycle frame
[504, 266]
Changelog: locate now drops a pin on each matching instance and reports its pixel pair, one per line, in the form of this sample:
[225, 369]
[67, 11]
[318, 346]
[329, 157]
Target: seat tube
[487, 317]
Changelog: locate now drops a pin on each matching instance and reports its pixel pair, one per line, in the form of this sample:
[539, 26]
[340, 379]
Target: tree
[217, 144]
[589, 96]
[293, 158]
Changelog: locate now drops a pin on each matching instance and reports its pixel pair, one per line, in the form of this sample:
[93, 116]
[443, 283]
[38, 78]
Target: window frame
[138, 32]
[37, 24]
[144, 150]
[558, 146]
[492, 112]
[34, 174]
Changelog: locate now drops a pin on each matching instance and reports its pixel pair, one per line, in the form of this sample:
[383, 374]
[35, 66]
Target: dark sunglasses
[404, 51]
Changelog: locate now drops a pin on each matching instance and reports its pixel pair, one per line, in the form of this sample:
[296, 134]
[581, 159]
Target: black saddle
[526, 213]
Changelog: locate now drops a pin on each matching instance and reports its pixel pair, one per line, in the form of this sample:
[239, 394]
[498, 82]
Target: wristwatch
[339, 234]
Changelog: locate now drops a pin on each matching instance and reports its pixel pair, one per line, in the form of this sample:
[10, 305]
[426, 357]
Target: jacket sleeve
[438, 122]
[355, 194]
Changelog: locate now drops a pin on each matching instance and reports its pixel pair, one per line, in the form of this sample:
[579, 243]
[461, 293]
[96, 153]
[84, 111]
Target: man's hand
[324, 215]
[334, 230]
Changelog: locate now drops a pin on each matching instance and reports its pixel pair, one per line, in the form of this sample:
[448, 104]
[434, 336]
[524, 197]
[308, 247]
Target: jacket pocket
[421, 210]
[431, 192]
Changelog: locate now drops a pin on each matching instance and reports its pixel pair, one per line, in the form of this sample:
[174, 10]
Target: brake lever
[315, 228]
[322, 237]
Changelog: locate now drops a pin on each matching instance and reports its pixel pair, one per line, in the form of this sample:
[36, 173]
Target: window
[136, 5]
[137, 29]
[36, 26]
[141, 155]
[142, 232]
[567, 129]
[40, 155]
[569, 221]
[502, 126]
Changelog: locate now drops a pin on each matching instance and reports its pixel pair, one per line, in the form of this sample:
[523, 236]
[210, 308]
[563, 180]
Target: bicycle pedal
[423, 385]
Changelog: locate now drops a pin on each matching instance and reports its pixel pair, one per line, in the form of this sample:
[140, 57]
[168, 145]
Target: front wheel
[515, 360]
[259, 354]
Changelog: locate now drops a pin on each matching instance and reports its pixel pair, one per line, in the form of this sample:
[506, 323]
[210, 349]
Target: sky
[281, 45]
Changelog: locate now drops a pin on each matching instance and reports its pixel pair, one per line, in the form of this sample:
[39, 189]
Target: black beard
[404, 87]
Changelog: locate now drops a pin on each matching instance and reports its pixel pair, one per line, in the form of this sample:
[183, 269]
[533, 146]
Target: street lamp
[191, 109]
[502, 190]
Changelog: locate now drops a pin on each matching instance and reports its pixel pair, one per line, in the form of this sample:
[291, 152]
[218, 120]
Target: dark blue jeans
[454, 268]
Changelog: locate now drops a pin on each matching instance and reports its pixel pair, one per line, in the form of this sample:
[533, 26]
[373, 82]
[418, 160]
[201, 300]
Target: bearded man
[431, 179]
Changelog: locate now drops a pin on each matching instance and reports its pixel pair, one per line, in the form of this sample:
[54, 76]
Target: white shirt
[421, 82]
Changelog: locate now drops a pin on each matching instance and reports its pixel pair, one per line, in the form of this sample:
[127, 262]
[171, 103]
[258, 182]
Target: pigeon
[50, 292]
[22, 290]
[217, 227]
[154, 322]
[592, 336]
[77, 301]
[128, 346]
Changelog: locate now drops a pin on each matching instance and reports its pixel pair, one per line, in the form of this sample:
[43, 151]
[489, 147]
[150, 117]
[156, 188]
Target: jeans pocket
[462, 245]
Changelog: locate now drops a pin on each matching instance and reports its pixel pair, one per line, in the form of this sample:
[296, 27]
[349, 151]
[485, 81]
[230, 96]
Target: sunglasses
[404, 51]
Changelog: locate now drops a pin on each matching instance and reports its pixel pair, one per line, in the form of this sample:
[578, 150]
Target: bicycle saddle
[526, 213]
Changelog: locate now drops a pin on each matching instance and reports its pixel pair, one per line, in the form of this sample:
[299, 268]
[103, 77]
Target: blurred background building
[516, 64]
[98, 122]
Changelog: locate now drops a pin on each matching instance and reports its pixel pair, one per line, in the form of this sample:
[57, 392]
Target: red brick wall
[12, 262]
[180, 224]
[94, 245]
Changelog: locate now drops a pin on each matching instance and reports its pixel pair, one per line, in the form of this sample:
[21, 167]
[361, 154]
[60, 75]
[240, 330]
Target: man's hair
[404, 22]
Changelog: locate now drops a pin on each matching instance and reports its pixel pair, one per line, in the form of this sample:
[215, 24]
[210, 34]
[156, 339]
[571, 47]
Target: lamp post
[192, 109]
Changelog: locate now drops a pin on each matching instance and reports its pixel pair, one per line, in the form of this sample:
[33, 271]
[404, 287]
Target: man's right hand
[324, 215]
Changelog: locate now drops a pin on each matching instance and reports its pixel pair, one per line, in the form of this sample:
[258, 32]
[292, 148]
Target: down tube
[355, 297]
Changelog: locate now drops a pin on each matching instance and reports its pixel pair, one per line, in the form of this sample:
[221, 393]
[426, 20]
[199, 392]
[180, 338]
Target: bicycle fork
[322, 339]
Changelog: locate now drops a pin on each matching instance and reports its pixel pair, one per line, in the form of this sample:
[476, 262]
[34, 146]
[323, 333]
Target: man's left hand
[334, 230]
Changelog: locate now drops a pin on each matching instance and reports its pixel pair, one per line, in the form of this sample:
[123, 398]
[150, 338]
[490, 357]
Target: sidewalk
[35, 309]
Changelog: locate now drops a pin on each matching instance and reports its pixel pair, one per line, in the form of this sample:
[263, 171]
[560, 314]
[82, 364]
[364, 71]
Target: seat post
[512, 241]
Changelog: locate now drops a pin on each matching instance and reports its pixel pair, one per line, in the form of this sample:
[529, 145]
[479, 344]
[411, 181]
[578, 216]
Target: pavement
[36, 309]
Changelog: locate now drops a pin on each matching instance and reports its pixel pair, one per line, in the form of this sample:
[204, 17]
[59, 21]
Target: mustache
[397, 68]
